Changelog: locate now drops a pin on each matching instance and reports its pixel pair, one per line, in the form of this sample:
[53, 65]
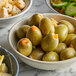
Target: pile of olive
[46, 39]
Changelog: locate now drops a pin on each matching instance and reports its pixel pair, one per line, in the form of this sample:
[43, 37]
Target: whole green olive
[46, 26]
[50, 42]
[67, 53]
[34, 34]
[71, 28]
[51, 56]
[69, 38]
[35, 19]
[60, 47]
[62, 32]
[37, 54]
[24, 46]
[21, 32]
[74, 43]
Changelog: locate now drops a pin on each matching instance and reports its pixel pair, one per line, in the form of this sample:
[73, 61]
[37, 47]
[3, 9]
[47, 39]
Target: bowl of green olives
[45, 41]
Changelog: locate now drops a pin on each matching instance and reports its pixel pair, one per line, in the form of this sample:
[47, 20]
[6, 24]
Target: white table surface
[38, 6]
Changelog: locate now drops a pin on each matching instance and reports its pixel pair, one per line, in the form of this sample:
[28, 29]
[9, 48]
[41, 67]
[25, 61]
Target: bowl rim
[49, 5]
[29, 6]
[13, 58]
[33, 60]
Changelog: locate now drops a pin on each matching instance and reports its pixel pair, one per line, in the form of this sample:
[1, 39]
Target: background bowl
[4, 22]
[35, 63]
[48, 3]
[11, 62]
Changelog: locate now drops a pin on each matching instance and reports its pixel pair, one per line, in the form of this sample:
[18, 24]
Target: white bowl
[4, 22]
[35, 63]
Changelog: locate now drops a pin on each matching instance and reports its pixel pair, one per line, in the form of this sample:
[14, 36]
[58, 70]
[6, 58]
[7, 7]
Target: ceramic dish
[63, 9]
[11, 61]
[4, 22]
[35, 63]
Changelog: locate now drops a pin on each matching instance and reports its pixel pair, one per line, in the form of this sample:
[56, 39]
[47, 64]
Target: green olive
[60, 47]
[71, 28]
[67, 53]
[34, 34]
[74, 43]
[37, 54]
[35, 19]
[51, 56]
[62, 32]
[50, 42]
[54, 22]
[46, 26]
[21, 32]
[24, 46]
[69, 38]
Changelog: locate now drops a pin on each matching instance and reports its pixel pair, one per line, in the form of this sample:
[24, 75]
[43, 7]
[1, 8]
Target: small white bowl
[59, 65]
[11, 61]
[4, 22]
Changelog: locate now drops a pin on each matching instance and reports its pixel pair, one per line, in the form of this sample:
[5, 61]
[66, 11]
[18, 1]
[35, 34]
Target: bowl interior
[27, 4]
[12, 36]
[11, 62]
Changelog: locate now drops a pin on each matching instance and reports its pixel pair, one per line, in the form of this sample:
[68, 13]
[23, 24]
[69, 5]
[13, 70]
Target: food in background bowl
[53, 40]
[66, 7]
[8, 21]
[3, 67]
[10, 8]
[8, 63]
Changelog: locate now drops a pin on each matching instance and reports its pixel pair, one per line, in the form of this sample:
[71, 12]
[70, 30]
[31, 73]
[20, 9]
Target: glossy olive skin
[46, 26]
[35, 19]
[34, 35]
[21, 32]
[24, 46]
[69, 38]
[71, 28]
[67, 53]
[54, 22]
[62, 32]
[49, 43]
[51, 56]
[60, 47]
[74, 43]
[37, 54]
